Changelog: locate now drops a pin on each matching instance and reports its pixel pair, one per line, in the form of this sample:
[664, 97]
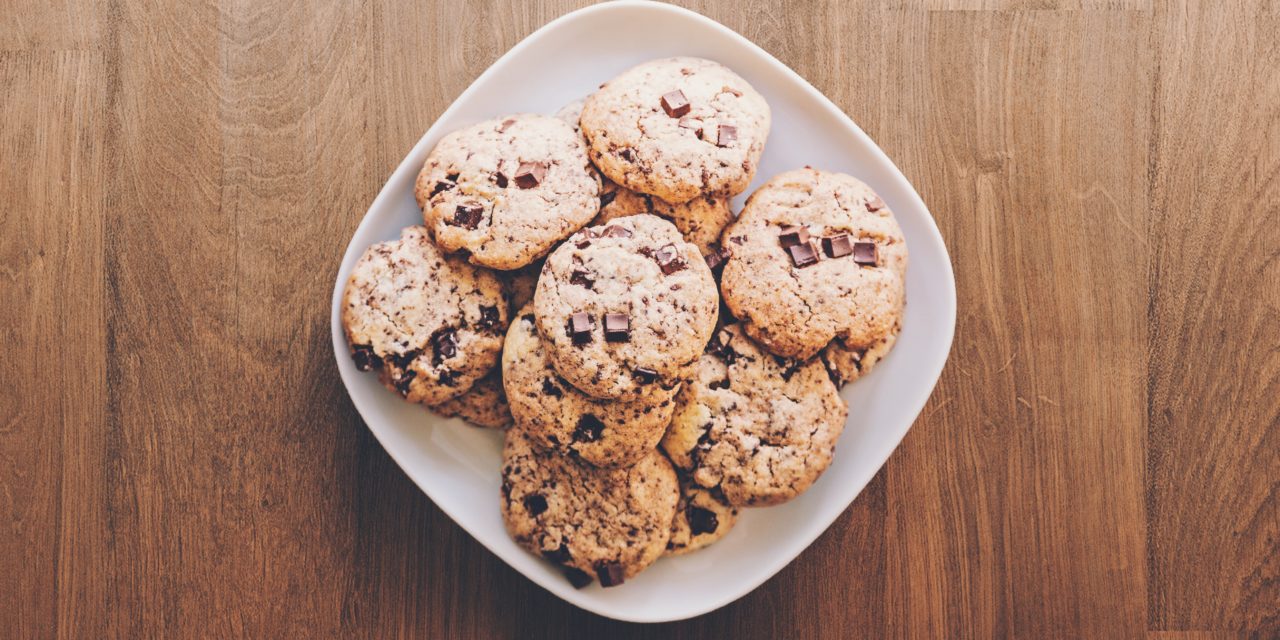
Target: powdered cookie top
[816, 256]
[626, 308]
[430, 325]
[506, 190]
[677, 128]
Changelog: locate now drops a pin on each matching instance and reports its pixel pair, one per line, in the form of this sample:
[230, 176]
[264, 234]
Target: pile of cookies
[660, 364]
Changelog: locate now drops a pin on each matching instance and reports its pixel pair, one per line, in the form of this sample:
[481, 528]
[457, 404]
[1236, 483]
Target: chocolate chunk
[720, 341]
[626, 154]
[803, 255]
[669, 260]
[445, 344]
[452, 177]
[610, 574]
[560, 555]
[645, 376]
[875, 204]
[793, 235]
[616, 231]
[530, 174]
[719, 384]
[837, 246]
[489, 318]
[502, 128]
[535, 504]
[577, 577]
[582, 279]
[617, 327]
[403, 360]
[717, 258]
[726, 134]
[693, 124]
[675, 104]
[365, 358]
[738, 240]
[582, 244]
[589, 429]
[789, 367]
[529, 317]
[443, 185]
[866, 253]
[448, 377]
[467, 215]
[580, 326]
[607, 197]
[500, 179]
[549, 388]
[402, 381]
[701, 520]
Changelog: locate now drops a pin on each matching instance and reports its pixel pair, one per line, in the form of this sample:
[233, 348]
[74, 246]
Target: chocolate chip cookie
[558, 417]
[484, 404]
[702, 517]
[506, 190]
[626, 308]
[759, 428]
[430, 325]
[700, 220]
[605, 524]
[677, 128]
[817, 257]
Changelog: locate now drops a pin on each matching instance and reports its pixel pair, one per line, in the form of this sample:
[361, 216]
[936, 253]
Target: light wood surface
[179, 459]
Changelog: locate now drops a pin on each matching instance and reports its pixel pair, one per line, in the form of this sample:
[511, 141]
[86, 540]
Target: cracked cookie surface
[641, 272]
[484, 404]
[677, 128]
[506, 190]
[558, 417]
[817, 260]
[757, 427]
[430, 325]
[606, 524]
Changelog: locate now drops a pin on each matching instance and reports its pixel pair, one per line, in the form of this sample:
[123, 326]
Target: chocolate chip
[589, 429]
[719, 384]
[645, 376]
[582, 244]
[403, 379]
[616, 231]
[530, 174]
[789, 367]
[535, 504]
[489, 317]
[701, 520]
[719, 345]
[452, 177]
[626, 154]
[500, 179]
[726, 134]
[580, 326]
[365, 358]
[467, 215]
[560, 555]
[738, 240]
[610, 574]
[549, 388]
[837, 246]
[447, 377]
[403, 360]
[443, 185]
[793, 235]
[866, 253]
[669, 260]
[577, 577]
[717, 258]
[803, 255]
[528, 317]
[617, 327]
[445, 344]
[607, 197]
[692, 124]
[875, 204]
[675, 104]
[502, 128]
[582, 279]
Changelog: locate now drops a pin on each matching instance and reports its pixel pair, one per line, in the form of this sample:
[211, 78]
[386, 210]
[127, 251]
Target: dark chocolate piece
[489, 317]
[793, 235]
[669, 260]
[875, 204]
[645, 376]
[577, 577]
[610, 574]
[535, 504]
[675, 104]
[726, 134]
[837, 246]
[701, 520]
[803, 255]
[443, 185]
[500, 179]
[549, 388]
[866, 253]
[582, 279]
[467, 215]
[445, 344]
[502, 128]
[617, 327]
[530, 174]
[365, 358]
[559, 555]
[589, 429]
[580, 326]
[607, 197]
[717, 258]
[616, 231]
[402, 381]
[626, 154]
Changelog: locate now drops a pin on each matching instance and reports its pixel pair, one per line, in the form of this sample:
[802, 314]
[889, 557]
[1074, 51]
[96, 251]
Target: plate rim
[932, 235]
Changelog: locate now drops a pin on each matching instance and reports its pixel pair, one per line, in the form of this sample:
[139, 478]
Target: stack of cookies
[582, 280]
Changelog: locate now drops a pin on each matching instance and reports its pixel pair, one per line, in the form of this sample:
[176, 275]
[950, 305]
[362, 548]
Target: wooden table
[178, 457]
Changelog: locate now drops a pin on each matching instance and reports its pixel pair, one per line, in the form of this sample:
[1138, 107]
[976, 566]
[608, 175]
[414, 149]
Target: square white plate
[457, 465]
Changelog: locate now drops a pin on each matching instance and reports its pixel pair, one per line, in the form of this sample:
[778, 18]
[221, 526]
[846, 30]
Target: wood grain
[179, 459]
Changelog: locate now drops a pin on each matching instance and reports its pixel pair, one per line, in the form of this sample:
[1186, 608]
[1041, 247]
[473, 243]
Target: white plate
[457, 466]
